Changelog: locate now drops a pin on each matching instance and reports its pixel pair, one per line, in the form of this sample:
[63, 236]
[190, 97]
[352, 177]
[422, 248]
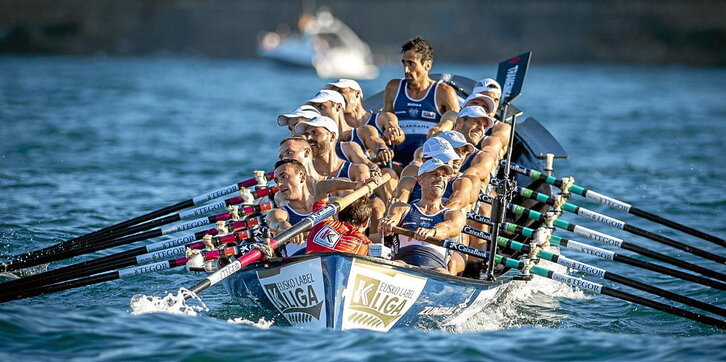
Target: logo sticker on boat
[376, 297]
[297, 291]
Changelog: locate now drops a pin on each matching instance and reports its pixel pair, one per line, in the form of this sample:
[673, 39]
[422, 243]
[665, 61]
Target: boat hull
[343, 291]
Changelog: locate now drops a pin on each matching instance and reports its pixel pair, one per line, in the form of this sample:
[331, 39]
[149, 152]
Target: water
[87, 142]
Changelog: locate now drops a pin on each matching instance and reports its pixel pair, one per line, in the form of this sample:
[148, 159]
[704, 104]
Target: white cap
[437, 147]
[491, 106]
[304, 111]
[319, 121]
[455, 138]
[347, 83]
[476, 112]
[433, 164]
[327, 95]
[487, 85]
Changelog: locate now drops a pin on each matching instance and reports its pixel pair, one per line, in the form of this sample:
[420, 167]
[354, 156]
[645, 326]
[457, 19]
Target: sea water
[87, 142]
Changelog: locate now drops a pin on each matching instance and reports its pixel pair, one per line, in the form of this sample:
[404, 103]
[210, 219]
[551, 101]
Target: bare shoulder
[446, 98]
[393, 84]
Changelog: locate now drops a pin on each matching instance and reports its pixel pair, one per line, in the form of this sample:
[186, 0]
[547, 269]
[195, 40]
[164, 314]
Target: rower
[331, 104]
[303, 113]
[347, 233]
[428, 218]
[385, 123]
[298, 148]
[322, 135]
[448, 119]
[417, 100]
[290, 177]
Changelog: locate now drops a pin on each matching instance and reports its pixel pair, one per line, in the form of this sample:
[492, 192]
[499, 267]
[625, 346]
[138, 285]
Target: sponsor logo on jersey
[327, 237]
[428, 114]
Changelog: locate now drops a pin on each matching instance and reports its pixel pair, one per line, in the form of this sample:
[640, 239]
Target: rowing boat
[344, 291]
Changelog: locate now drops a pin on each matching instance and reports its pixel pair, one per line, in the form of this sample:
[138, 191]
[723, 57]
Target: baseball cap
[319, 121]
[476, 112]
[433, 164]
[304, 111]
[455, 138]
[346, 83]
[487, 85]
[327, 95]
[437, 147]
[490, 104]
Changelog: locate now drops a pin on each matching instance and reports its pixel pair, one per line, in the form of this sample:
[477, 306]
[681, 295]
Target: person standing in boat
[417, 100]
[428, 218]
[290, 177]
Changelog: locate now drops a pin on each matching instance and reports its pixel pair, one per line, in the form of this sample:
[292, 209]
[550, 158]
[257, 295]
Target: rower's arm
[277, 220]
[325, 187]
[481, 166]
[461, 196]
[446, 99]
[391, 130]
[393, 218]
[454, 222]
[502, 131]
[403, 190]
[445, 124]
[389, 93]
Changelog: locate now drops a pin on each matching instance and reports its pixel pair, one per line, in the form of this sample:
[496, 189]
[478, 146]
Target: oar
[572, 281]
[196, 200]
[138, 255]
[19, 286]
[183, 215]
[611, 240]
[116, 274]
[616, 204]
[619, 224]
[602, 253]
[283, 237]
[247, 210]
[598, 272]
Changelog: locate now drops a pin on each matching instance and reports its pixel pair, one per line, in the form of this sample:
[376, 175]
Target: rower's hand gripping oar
[283, 237]
[615, 203]
[196, 200]
[569, 280]
[610, 240]
[619, 224]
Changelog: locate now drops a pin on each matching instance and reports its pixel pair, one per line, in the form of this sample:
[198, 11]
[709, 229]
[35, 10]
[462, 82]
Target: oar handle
[411, 234]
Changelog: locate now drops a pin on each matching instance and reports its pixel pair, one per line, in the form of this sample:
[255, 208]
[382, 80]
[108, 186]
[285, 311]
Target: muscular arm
[374, 143]
[454, 221]
[461, 196]
[324, 187]
[446, 99]
[277, 220]
[403, 190]
[389, 93]
[392, 132]
[355, 153]
[445, 124]
[481, 166]
[393, 218]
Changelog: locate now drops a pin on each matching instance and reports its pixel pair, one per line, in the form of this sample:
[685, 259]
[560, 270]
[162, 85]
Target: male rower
[290, 177]
[322, 135]
[303, 113]
[417, 100]
[385, 123]
[297, 148]
[428, 218]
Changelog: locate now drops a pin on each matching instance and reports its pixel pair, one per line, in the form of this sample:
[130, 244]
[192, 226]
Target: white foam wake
[261, 324]
[173, 304]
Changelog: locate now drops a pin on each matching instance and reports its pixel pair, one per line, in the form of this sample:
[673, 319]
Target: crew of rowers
[440, 155]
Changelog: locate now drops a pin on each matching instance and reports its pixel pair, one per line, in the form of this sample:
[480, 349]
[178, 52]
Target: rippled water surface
[86, 142]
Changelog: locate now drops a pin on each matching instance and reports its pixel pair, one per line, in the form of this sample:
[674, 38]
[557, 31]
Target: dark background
[558, 31]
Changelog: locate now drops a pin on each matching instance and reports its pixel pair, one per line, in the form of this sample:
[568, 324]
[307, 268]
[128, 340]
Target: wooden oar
[144, 254]
[196, 200]
[593, 270]
[602, 253]
[616, 204]
[572, 281]
[283, 238]
[618, 224]
[611, 240]
[145, 235]
[113, 275]
[182, 215]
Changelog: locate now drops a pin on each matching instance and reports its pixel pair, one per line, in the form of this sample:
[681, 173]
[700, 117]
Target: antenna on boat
[510, 74]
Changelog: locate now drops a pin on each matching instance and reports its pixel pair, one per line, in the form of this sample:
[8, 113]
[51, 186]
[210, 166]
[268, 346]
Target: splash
[173, 304]
[261, 324]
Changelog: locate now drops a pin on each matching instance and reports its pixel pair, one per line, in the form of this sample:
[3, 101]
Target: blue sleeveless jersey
[293, 217]
[344, 171]
[416, 117]
[414, 219]
[469, 160]
[416, 192]
[355, 138]
[373, 121]
[339, 151]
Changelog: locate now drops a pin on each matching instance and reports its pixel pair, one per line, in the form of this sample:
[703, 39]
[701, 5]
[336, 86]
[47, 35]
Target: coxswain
[427, 218]
[417, 100]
